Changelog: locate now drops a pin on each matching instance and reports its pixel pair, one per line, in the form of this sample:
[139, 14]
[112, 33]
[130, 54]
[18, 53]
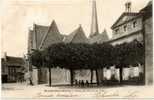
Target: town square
[77, 49]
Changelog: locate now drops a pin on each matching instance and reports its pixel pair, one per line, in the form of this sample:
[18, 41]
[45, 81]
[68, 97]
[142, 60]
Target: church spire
[94, 23]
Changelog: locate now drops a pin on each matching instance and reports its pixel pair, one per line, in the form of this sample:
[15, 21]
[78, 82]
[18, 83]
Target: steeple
[94, 23]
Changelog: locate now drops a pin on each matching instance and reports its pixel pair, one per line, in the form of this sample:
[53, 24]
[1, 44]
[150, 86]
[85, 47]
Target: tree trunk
[71, 76]
[120, 75]
[102, 74]
[91, 76]
[97, 77]
[49, 76]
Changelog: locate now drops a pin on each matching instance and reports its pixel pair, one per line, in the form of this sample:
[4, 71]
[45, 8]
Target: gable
[77, 36]
[80, 38]
[100, 38]
[104, 37]
[52, 36]
[68, 38]
[124, 18]
[40, 31]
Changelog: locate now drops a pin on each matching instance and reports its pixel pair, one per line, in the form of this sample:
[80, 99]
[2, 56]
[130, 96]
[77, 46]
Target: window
[134, 24]
[125, 28]
[116, 31]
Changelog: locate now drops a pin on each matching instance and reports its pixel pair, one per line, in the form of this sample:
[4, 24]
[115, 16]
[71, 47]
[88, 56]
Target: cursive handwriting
[100, 93]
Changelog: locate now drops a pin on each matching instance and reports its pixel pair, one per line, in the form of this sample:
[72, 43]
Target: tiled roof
[77, 36]
[40, 31]
[100, 38]
[51, 36]
[14, 61]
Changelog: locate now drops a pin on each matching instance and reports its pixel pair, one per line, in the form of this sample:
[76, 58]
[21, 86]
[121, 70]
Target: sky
[18, 16]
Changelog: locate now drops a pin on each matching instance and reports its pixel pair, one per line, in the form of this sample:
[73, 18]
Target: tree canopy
[89, 56]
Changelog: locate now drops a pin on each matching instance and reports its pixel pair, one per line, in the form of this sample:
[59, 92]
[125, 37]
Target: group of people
[82, 83]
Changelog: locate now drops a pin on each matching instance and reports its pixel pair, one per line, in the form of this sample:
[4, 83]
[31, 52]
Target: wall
[59, 76]
[42, 75]
[128, 39]
[148, 48]
[35, 76]
[148, 51]
[130, 29]
[85, 75]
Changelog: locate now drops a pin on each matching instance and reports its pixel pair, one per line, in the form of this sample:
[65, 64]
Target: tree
[75, 56]
[127, 54]
[120, 54]
[136, 53]
[36, 58]
[47, 62]
[102, 57]
[89, 56]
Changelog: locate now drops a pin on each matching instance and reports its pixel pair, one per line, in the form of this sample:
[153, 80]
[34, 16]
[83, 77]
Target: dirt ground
[12, 91]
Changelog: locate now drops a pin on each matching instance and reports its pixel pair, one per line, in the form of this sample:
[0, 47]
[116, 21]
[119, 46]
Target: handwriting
[74, 93]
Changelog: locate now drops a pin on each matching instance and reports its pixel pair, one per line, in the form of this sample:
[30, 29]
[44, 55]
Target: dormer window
[134, 24]
[125, 28]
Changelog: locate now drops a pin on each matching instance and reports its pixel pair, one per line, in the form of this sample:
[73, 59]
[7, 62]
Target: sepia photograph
[77, 49]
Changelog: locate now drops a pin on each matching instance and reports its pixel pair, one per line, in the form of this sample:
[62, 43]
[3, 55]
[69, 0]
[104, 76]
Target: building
[13, 69]
[136, 25]
[96, 37]
[40, 37]
[99, 38]
[77, 36]
[128, 27]
[148, 40]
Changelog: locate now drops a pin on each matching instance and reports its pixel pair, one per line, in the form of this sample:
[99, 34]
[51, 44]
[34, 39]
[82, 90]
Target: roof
[100, 38]
[147, 7]
[77, 36]
[14, 61]
[40, 31]
[129, 16]
[147, 10]
[51, 36]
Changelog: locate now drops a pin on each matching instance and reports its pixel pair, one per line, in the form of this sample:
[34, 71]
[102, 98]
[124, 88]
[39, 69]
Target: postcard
[77, 49]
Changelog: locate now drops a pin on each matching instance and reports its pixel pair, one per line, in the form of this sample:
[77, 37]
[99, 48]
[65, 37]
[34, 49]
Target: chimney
[128, 6]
